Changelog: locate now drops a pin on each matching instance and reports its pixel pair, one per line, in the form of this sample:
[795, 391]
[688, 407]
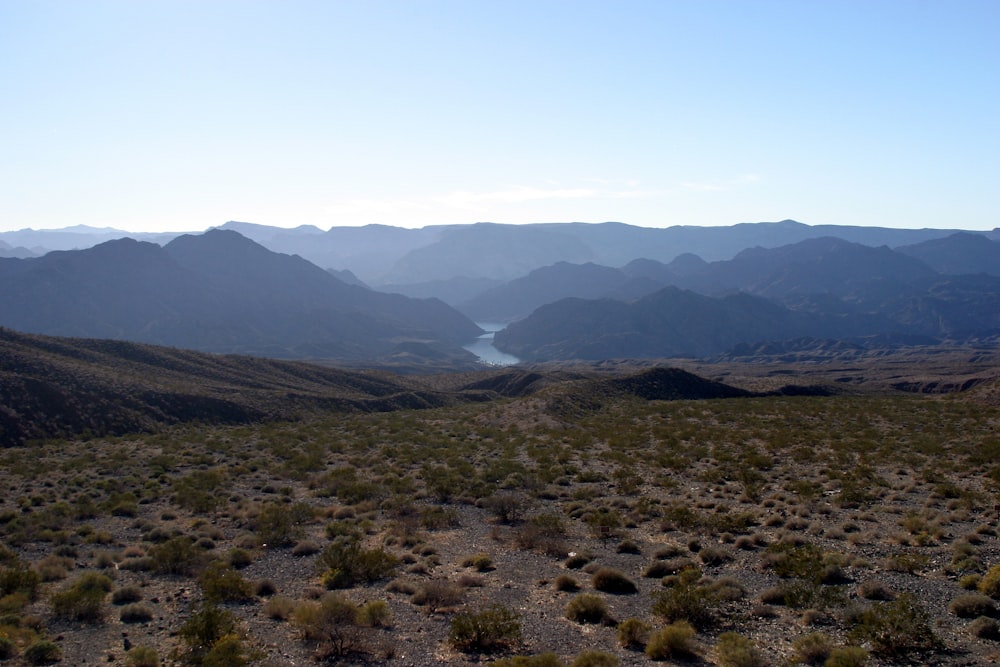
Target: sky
[152, 115]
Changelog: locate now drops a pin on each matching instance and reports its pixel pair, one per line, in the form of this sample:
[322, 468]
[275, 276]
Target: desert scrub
[437, 594]
[481, 562]
[610, 580]
[333, 621]
[83, 601]
[985, 627]
[142, 656]
[812, 649]
[633, 633]
[375, 614]
[43, 652]
[686, 599]
[566, 584]
[735, 650]
[672, 642]
[540, 660]
[587, 608]
[135, 613]
[279, 608]
[346, 563]
[972, 605]
[495, 628]
[990, 583]
[221, 583]
[896, 629]
[595, 659]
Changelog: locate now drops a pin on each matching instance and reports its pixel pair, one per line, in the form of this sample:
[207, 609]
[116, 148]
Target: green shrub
[735, 650]
[135, 613]
[481, 562]
[686, 600]
[333, 621]
[633, 633]
[812, 649]
[610, 580]
[345, 563]
[177, 556]
[540, 660]
[375, 614]
[205, 627]
[142, 656]
[221, 583]
[84, 600]
[7, 648]
[126, 595]
[672, 642]
[43, 652]
[985, 628]
[595, 659]
[990, 583]
[587, 608]
[566, 583]
[227, 652]
[896, 628]
[490, 629]
[847, 656]
[972, 605]
[19, 578]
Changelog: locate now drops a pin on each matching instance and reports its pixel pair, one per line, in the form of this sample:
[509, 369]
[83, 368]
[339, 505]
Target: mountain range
[566, 290]
[823, 288]
[220, 292]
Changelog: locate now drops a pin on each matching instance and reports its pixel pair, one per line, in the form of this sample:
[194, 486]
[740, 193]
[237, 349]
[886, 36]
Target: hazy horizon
[166, 116]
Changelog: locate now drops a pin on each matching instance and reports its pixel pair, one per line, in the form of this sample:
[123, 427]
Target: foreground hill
[218, 292]
[60, 387]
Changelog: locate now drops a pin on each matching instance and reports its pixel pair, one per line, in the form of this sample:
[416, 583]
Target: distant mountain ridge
[815, 289]
[217, 292]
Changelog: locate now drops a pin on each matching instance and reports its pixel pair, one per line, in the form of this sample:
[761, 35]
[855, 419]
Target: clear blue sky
[177, 115]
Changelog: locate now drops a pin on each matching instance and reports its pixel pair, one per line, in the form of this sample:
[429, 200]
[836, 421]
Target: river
[483, 348]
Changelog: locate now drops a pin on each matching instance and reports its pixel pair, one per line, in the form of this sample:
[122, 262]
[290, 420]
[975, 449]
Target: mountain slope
[960, 253]
[61, 387]
[217, 292]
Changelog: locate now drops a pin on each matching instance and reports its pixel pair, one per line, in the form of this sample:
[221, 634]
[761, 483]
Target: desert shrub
[812, 649]
[896, 628]
[610, 580]
[43, 652]
[874, 590]
[375, 614]
[985, 628]
[221, 583]
[332, 621]
[672, 642]
[686, 600]
[726, 589]
[305, 548]
[135, 613]
[990, 583]
[178, 555]
[206, 626]
[628, 547]
[438, 593]
[227, 652]
[84, 600]
[664, 568]
[735, 650]
[969, 582]
[239, 558]
[126, 595]
[577, 561]
[346, 563]
[279, 608]
[633, 633]
[494, 628]
[714, 556]
[595, 659]
[142, 656]
[481, 562]
[277, 526]
[972, 605]
[540, 660]
[7, 648]
[587, 608]
[847, 656]
[18, 578]
[566, 583]
[508, 507]
[264, 588]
